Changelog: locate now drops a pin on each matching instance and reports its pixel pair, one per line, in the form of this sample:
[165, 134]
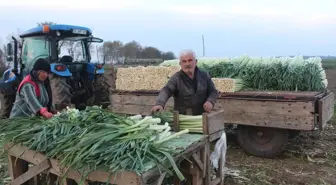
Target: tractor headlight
[81, 32]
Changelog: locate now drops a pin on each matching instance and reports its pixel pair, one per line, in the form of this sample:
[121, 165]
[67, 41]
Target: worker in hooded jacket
[191, 88]
[34, 97]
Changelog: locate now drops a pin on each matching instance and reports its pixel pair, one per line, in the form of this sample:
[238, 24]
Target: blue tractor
[75, 79]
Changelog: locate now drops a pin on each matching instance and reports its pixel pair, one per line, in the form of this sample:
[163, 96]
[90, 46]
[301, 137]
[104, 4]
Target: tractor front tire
[101, 91]
[60, 92]
[6, 104]
[262, 141]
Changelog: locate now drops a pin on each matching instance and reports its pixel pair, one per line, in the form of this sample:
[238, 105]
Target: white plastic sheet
[219, 152]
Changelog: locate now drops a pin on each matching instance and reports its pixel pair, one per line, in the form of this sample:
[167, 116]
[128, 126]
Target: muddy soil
[308, 159]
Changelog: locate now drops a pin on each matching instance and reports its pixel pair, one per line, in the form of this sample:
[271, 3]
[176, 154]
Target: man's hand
[157, 108]
[207, 106]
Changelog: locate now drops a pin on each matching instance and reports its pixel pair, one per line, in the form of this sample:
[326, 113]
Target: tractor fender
[8, 82]
[64, 73]
[91, 68]
[8, 76]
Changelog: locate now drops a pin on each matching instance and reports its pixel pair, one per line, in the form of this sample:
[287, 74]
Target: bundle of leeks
[194, 123]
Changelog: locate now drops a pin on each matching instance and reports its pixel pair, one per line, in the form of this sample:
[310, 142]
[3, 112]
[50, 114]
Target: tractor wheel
[60, 92]
[261, 141]
[6, 104]
[102, 91]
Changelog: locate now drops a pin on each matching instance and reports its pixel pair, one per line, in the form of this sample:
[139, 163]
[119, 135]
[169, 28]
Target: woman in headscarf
[33, 97]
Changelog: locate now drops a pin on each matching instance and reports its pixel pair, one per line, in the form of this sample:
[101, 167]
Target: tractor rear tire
[6, 104]
[262, 141]
[60, 92]
[101, 92]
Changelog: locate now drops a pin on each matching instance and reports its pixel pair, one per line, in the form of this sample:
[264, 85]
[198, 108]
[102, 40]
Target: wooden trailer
[194, 147]
[265, 120]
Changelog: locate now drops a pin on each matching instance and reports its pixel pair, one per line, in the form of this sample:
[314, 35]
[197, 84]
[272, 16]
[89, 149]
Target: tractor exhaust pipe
[15, 70]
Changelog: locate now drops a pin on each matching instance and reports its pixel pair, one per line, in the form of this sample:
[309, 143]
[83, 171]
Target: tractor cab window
[32, 49]
[96, 52]
[72, 47]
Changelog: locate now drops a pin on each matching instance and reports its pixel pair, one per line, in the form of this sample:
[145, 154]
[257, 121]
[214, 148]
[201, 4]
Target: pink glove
[44, 112]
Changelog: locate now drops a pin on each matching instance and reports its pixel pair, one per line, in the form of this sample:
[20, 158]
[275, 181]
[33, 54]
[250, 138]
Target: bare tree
[132, 50]
[113, 51]
[151, 52]
[168, 55]
[3, 64]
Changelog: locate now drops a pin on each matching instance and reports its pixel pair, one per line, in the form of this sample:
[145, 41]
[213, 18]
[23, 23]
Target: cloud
[297, 13]
[260, 11]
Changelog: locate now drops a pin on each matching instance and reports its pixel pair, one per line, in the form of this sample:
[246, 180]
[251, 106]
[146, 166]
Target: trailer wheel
[292, 134]
[102, 91]
[261, 141]
[60, 92]
[6, 104]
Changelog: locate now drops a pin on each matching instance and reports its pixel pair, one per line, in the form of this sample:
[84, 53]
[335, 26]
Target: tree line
[114, 50]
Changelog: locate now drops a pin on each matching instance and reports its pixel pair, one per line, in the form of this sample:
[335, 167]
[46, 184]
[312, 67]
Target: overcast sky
[230, 27]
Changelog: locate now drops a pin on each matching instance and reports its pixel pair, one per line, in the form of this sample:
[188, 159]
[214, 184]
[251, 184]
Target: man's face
[188, 63]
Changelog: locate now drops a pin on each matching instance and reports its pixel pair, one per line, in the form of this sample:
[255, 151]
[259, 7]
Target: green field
[329, 63]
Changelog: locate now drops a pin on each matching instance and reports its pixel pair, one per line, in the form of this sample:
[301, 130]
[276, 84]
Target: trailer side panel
[135, 104]
[325, 109]
[295, 115]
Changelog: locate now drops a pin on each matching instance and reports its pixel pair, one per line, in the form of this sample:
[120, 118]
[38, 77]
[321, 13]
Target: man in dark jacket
[191, 88]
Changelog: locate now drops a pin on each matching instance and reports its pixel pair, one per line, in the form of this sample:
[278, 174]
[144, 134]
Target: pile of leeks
[95, 139]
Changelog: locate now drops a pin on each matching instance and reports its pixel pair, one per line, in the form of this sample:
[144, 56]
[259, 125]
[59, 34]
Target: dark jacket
[189, 93]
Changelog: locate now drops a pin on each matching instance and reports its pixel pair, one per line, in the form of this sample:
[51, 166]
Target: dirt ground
[309, 159]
